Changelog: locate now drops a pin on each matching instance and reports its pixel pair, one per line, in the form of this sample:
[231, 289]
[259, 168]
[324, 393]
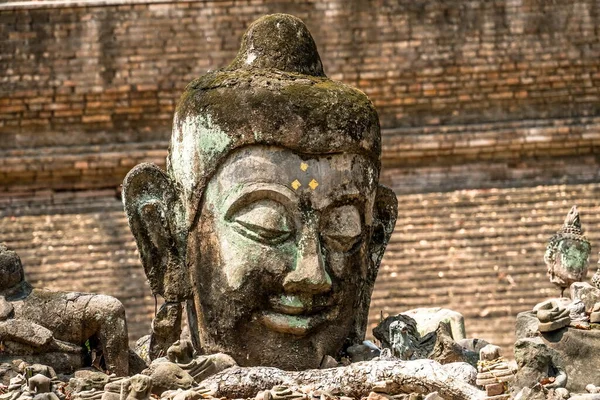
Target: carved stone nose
[309, 274]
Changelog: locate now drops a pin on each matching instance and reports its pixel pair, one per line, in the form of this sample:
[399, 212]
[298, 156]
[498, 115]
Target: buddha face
[279, 253]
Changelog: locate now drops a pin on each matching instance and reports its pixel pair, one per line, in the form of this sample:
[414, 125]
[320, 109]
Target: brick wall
[112, 72]
[475, 95]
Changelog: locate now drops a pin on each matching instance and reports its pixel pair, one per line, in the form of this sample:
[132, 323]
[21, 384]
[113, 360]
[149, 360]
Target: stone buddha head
[269, 222]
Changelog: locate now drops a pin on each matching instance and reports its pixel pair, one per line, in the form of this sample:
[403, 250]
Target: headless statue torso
[50, 327]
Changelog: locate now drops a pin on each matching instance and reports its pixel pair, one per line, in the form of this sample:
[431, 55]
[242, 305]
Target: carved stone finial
[568, 252]
[281, 42]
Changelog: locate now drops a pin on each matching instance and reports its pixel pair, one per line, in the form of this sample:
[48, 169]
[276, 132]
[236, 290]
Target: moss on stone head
[273, 93]
[279, 41]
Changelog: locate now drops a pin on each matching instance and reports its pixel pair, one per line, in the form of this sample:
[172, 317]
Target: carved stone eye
[266, 221]
[342, 228]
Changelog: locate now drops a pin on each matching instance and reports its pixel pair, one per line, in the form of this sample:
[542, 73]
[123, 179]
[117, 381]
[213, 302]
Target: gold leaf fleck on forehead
[303, 166]
[296, 184]
[313, 184]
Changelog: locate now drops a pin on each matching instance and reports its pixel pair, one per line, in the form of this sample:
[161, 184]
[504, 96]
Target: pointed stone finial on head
[279, 41]
[572, 222]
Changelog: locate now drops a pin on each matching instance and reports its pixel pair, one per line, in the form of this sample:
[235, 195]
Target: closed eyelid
[256, 192]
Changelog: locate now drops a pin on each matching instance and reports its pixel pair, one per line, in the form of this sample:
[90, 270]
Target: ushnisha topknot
[279, 41]
[273, 93]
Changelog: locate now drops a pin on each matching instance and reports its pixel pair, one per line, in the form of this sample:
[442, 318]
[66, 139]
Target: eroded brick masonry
[472, 95]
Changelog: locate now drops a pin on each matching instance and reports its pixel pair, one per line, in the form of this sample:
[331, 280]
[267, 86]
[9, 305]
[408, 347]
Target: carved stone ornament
[269, 223]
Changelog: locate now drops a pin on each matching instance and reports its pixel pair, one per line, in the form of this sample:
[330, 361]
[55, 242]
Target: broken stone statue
[558, 331]
[61, 329]
[269, 223]
[567, 253]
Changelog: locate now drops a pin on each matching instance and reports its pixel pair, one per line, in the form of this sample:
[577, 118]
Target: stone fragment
[87, 380]
[281, 392]
[378, 396]
[490, 353]
[462, 371]
[595, 314]
[180, 352]
[45, 396]
[596, 279]
[168, 376]
[561, 394]
[526, 325]
[591, 388]
[577, 314]
[534, 393]
[26, 332]
[472, 345]
[428, 320]
[6, 309]
[363, 352]
[39, 383]
[494, 389]
[328, 362]
[187, 395]
[554, 325]
[587, 293]
[137, 387]
[552, 314]
[433, 396]
[538, 364]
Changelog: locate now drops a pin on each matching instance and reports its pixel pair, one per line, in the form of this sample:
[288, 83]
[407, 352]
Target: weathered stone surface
[573, 349]
[25, 332]
[6, 309]
[52, 327]
[554, 325]
[490, 353]
[536, 393]
[472, 345]
[585, 292]
[168, 376]
[271, 205]
[462, 371]
[39, 384]
[538, 363]
[356, 380]
[526, 325]
[137, 387]
[494, 389]
[428, 320]
[363, 352]
[553, 314]
[568, 252]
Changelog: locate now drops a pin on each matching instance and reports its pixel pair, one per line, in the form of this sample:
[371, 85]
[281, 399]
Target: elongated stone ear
[384, 221]
[155, 216]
